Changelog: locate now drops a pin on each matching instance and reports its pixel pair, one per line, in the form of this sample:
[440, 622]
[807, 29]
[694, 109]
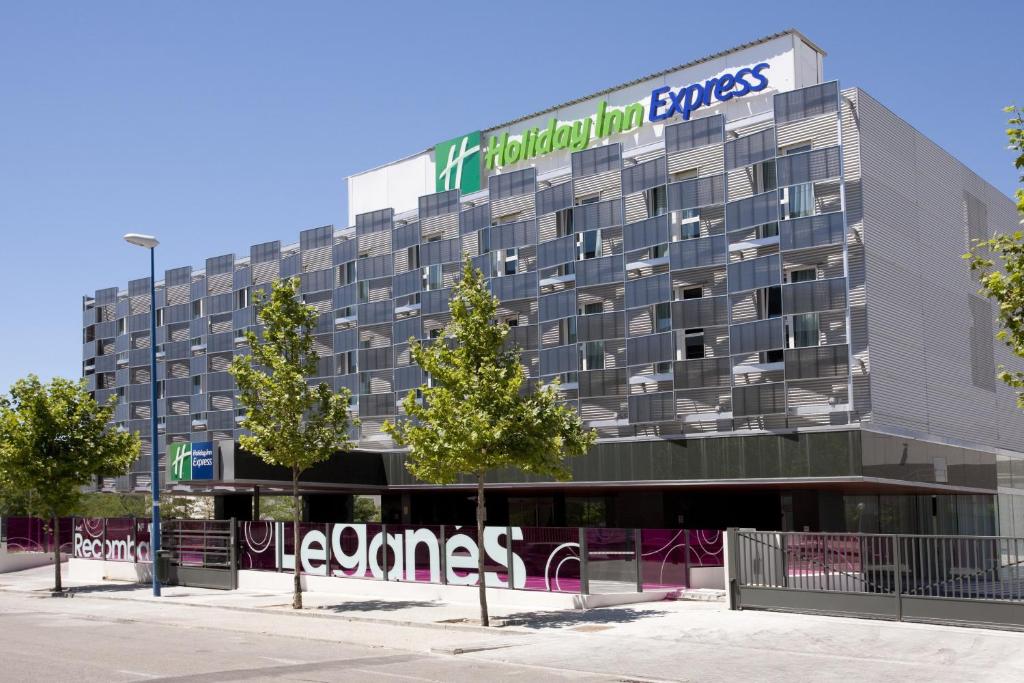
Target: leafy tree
[276, 508]
[999, 264]
[477, 414]
[55, 439]
[291, 423]
[364, 510]
[114, 505]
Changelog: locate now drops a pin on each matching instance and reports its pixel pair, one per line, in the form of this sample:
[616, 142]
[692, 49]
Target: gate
[944, 579]
[203, 553]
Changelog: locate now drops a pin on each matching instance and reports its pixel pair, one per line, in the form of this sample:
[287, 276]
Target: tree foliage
[55, 439]
[476, 412]
[999, 265]
[474, 415]
[290, 422]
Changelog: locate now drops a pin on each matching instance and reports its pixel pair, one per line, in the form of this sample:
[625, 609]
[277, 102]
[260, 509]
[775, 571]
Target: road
[106, 636]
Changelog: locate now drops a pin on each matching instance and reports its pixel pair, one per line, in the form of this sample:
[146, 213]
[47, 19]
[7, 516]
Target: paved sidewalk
[650, 641]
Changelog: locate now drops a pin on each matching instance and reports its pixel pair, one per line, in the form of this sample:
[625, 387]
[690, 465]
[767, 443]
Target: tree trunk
[481, 514]
[57, 588]
[297, 585]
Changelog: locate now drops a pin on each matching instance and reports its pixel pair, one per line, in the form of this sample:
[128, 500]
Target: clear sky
[218, 125]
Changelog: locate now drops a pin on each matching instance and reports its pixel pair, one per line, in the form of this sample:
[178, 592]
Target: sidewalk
[650, 641]
[351, 608]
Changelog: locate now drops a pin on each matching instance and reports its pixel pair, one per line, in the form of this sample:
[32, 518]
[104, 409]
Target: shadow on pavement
[105, 588]
[606, 615]
[376, 606]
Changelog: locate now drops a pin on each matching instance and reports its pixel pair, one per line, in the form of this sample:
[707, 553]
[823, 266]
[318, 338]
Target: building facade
[746, 278]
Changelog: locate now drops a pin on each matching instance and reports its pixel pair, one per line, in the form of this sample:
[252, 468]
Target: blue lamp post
[150, 242]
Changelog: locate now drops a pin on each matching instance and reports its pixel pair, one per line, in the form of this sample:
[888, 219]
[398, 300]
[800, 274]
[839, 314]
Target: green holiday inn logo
[457, 164]
[190, 461]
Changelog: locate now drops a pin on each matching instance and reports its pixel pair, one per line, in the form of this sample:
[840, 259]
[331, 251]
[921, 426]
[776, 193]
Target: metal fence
[970, 579]
[202, 552]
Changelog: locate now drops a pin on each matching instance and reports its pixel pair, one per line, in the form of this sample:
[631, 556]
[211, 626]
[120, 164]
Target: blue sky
[220, 125]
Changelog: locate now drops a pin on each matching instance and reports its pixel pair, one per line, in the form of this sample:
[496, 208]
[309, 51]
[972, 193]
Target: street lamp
[150, 242]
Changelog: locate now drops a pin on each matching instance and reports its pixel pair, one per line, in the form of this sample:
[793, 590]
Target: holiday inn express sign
[457, 162]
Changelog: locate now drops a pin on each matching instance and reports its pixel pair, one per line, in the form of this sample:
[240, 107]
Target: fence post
[638, 559]
[384, 551]
[327, 548]
[584, 572]
[686, 557]
[233, 553]
[732, 564]
[135, 541]
[443, 556]
[279, 545]
[509, 557]
[103, 541]
[898, 577]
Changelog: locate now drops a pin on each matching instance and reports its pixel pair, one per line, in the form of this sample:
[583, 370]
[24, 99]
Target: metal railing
[208, 544]
[977, 579]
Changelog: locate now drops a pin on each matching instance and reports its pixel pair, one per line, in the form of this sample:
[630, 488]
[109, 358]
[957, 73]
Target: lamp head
[139, 240]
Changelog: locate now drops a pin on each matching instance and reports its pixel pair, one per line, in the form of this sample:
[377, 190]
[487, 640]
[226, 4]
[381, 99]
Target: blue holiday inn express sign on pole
[191, 461]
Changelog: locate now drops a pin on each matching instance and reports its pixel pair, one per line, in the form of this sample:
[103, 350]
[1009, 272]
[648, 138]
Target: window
[504, 262]
[242, 299]
[159, 388]
[588, 199]
[588, 245]
[413, 256]
[803, 331]
[160, 317]
[692, 293]
[434, 333]
[802, 274]
[773, 356]
[588, 309]
[685, 224]
[656, 201]
[797, 148]
[768, 302]
[797, 201]
[563, 222]
[592, 355]
[763, 176]
[364, 383]
[347, 363]
[657, 251]
[346, 312]
[568, 378]
[347, 273]
[410, 300]
[693, 344]
[197, 341]
[768, 230]
[432, 278]
[485, 240]
[364, 291]
[197, 385]
[662, 316]
[506, 218]
[663, 368]
[121, 328]
[566, 331]
[197, 309]
[688, 174]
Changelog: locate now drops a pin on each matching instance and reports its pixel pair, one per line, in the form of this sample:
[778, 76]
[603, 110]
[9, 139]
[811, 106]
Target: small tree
[999, 264]
[291, 423]
[476, 413]
[55, 439]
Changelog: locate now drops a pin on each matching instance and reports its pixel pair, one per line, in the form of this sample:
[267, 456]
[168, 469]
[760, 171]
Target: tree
[999, 264]
[364, 510]
[291, 423]
[477, 414]
[55, 439]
